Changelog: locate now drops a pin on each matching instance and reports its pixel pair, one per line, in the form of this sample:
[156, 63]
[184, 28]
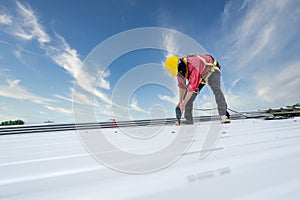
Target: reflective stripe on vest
[213, 66]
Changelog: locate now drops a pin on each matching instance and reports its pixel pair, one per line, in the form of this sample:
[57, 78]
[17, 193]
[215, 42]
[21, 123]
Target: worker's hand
[181, 106]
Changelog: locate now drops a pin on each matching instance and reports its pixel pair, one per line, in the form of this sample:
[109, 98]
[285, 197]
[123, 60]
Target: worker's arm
[182, 89]
[182, 92]
[184, 95]
[185, 100]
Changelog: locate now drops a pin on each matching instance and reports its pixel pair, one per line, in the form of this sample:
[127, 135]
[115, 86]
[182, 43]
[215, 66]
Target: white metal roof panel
[253, 159]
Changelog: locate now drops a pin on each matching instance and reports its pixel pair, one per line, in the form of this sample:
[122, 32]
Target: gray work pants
[214, 82]
[188, 111]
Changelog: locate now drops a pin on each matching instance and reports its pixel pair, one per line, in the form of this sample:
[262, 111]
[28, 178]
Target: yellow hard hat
[171, 65]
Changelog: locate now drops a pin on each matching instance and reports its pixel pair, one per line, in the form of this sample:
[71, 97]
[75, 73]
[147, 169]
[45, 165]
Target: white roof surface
[253, 159]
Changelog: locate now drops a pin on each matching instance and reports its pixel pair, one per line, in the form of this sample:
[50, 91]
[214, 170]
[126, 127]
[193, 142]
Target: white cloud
[88, 82]
[24, 25]
[103, 83]
[88, 79]
[226, 12]
[67, 58]
[173, 100]
[60, 110]
[245, 3]
[22, 34]
[5, 19]
[257, 29]
[64, 56]
[260, 50]
[242, 101]
[63, 98]
[235, 82]
[13, 89]
[170, 44]
[104, 112]
[280, 86]
[81, 98]
[18, 55]
[28, 26]
[134, 105]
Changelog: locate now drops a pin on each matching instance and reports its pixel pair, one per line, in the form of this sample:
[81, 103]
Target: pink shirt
[197, 70]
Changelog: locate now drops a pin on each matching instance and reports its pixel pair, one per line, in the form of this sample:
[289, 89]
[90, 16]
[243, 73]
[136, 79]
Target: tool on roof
[178, 114]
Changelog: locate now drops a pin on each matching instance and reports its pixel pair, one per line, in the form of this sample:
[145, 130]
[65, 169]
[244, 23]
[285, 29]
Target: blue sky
[43, 45]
